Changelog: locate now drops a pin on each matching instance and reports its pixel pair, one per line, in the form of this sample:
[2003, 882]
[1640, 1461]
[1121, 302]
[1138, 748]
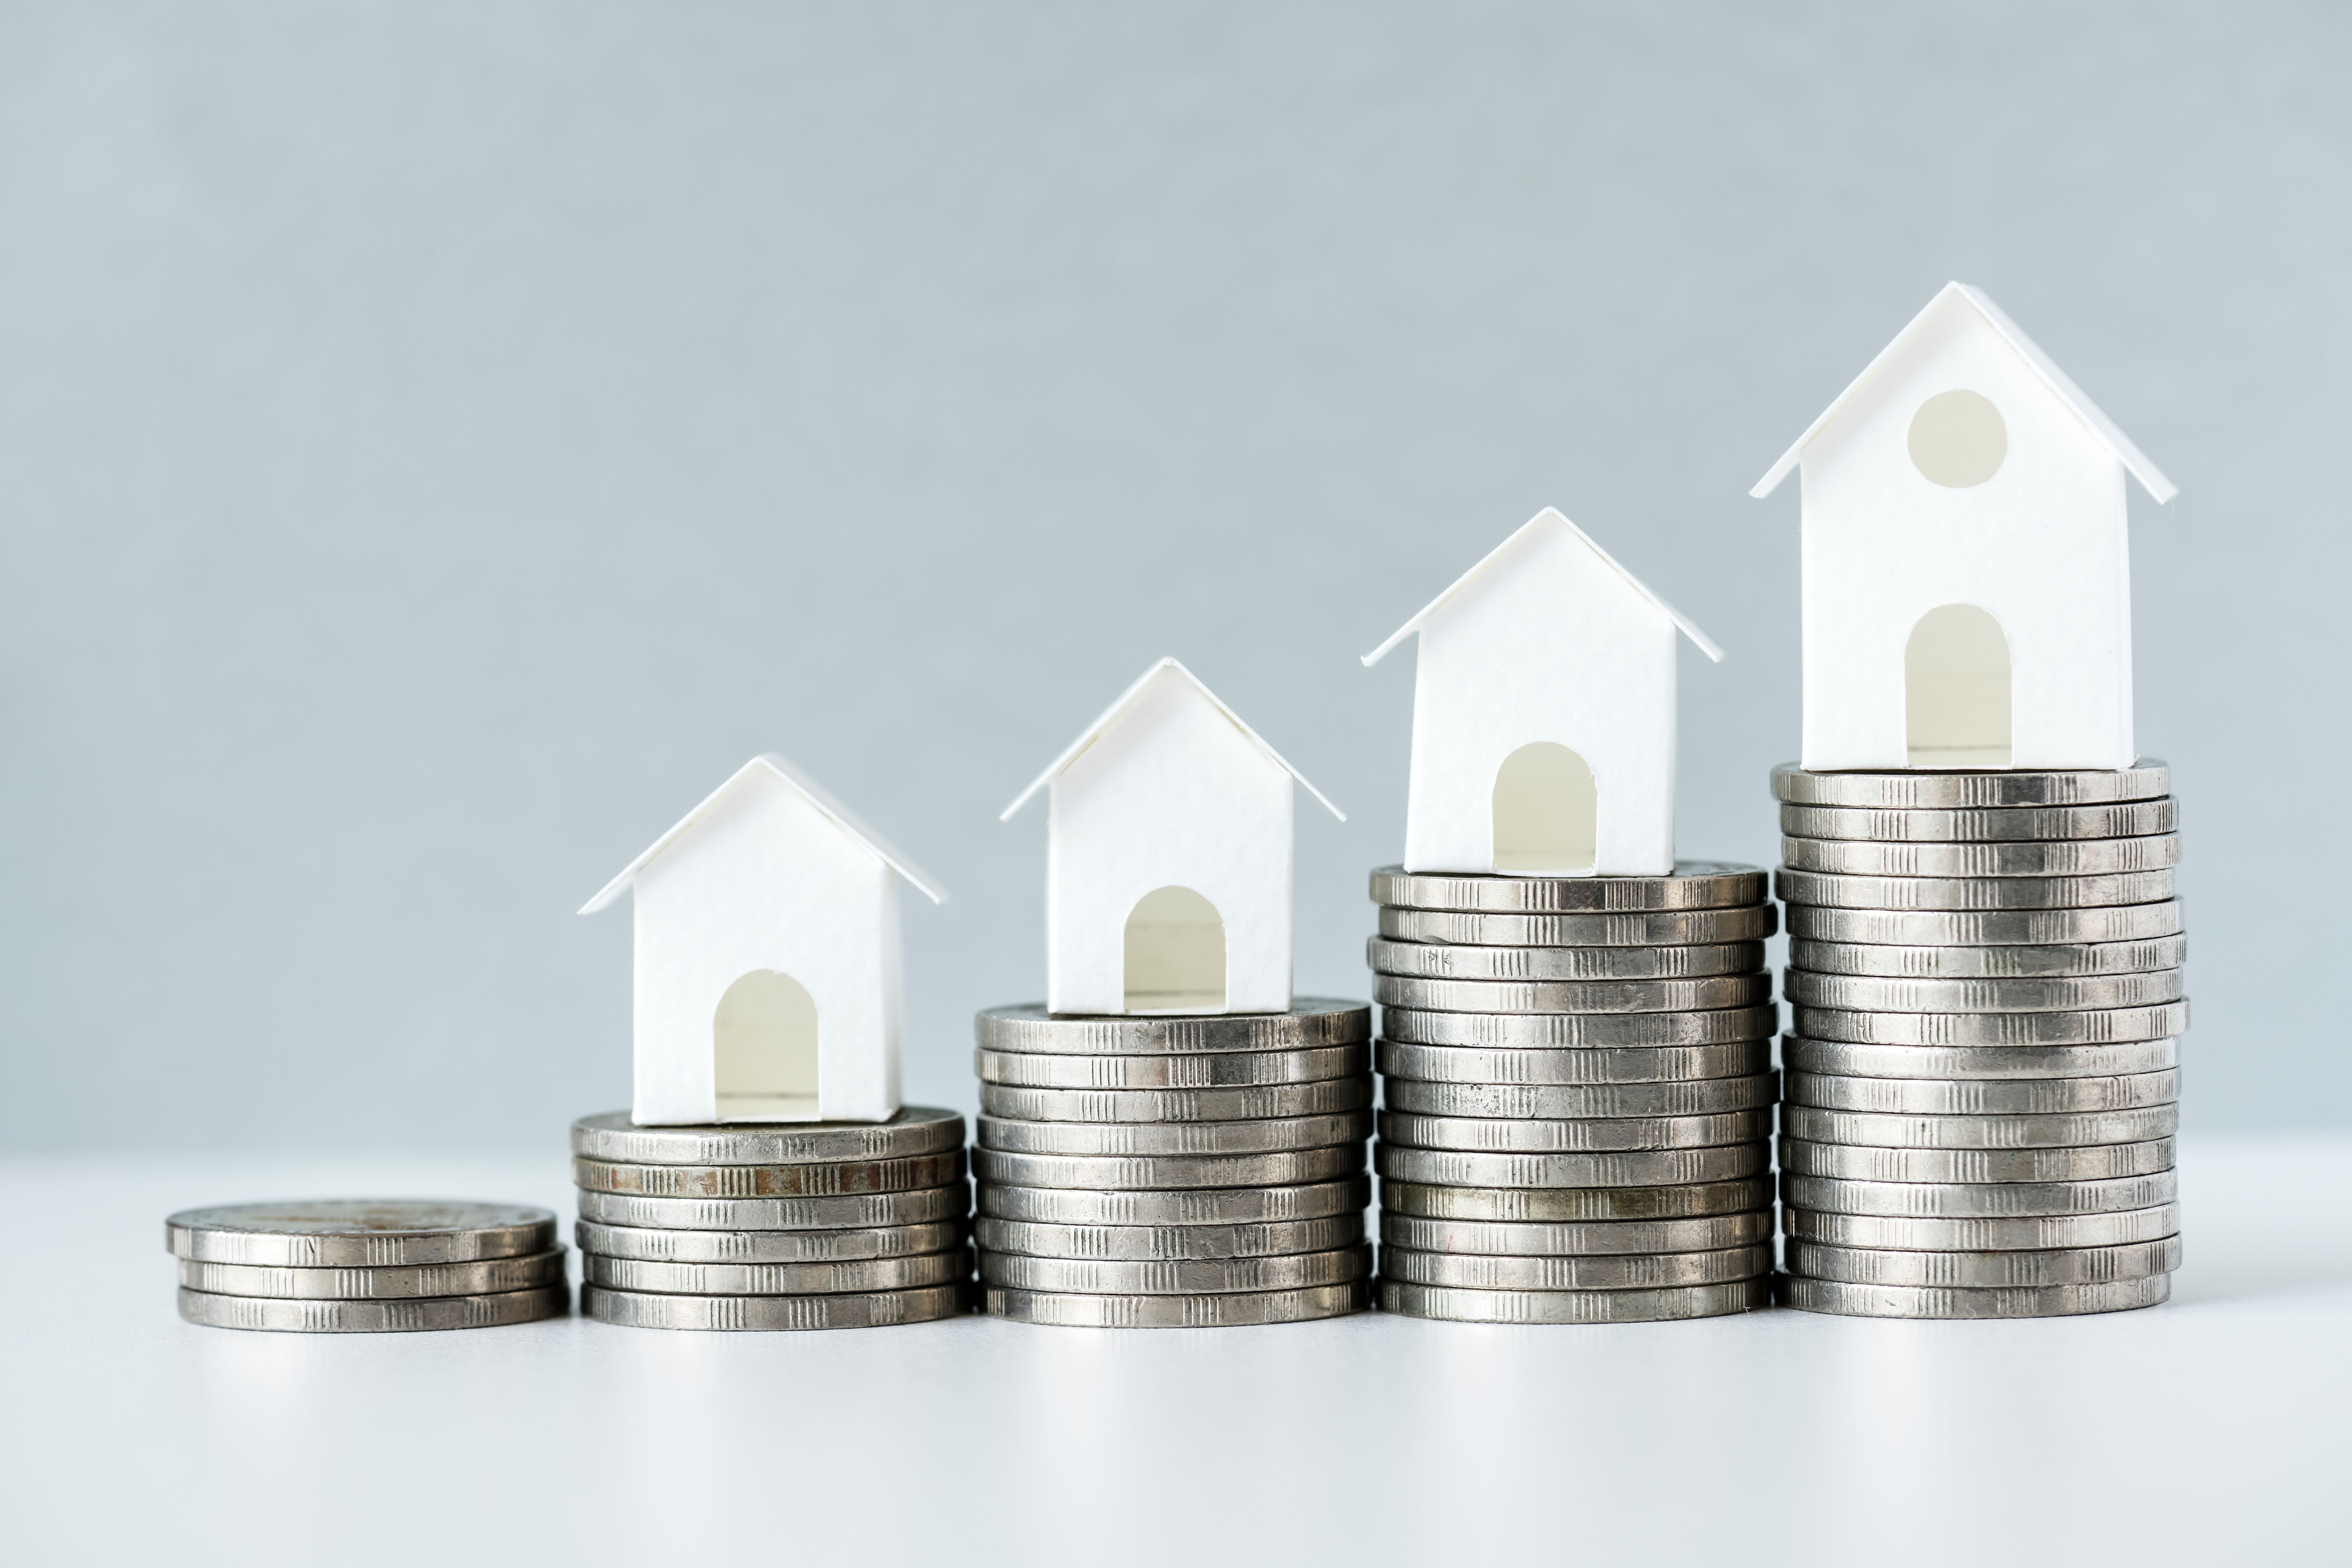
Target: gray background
[439, 442]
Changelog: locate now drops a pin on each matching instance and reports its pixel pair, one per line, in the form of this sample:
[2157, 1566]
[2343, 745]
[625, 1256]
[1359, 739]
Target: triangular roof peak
[1126, 699]
[808, 788]
[1548, 519]
[2103, 429]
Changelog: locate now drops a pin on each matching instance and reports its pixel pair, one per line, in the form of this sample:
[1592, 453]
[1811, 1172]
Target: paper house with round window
[768, 969]
[1965, 565]
[1168, 865]
[1543, 714]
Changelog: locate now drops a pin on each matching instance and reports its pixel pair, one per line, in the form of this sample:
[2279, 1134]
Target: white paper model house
[1543, 714]
[1167, 858]
[1967, 573]
[767, 984]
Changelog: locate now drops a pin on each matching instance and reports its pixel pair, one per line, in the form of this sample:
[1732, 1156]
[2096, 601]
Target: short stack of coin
[1980, 1087]
[1174, 1171]
[1576, 1089]
[367, 1266]
[826, 1224]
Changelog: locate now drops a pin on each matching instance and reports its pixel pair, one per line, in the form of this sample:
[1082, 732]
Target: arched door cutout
[1955, 684]
[763, 1043]
[1546, 813]
[1175, 954]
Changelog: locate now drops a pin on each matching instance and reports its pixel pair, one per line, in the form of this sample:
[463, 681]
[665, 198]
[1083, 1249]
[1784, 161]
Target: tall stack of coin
[367, 1266]
[772, 1226]
[1576, 1095]
[1174, 1171]
[1982, 1085]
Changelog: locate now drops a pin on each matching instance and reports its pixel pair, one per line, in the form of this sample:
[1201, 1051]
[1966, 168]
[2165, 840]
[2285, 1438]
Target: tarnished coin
[1878, 994]
[1312, 1021]
[1233, 1309]
[1708, 1096]
[1695, 885]
[1970, 894]
[777, 1278]
[2083, 1026]
[2128, 819]
[1461, 1306]
[1858, 1162]
[1644, 1168]
[1575, 1205]
[921, 1205]
[1981, 1096]
[1716, 1027]
[2028, 1233]
[855, 1310]
[1976, 1130]
[377, 1282]
[1509, 1135]
[768, 1181]
[767, 1246]
[1663, 1271]
[1173, 1138]
[1977, 1200]
[1604, 996]
[1928, 1301]
[1171, 1243]
[2065, 961]
[1191, 1276]
[2058, 858]
[1596, 1065]
[1683, 928]
[1987, 928]
[1905, 790]
[1223, 1070]
[1440, 961]
[1325, 1097]
[1228, 1206]
[1145, 1173]
[282, 1315]
[1984, 1270]
[915, 1130]
[1999, 1062]
[1609, 1239]
[329, 1233]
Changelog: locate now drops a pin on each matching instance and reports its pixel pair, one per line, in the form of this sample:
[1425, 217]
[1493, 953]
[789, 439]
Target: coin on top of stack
[812, 1224]
[1174, 1171]
[367, 1265]
[1981, 1080]
[1576, 1087]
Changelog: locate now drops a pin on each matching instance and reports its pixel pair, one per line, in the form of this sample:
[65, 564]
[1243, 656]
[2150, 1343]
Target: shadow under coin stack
[1576, 1095]
[820, 1225]
[1980, 1090]
[1158, 1172]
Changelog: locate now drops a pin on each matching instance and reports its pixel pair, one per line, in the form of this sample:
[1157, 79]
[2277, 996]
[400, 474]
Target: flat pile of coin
[367, 1266]
[1174, 1171]
[1576, 1095]
[810, 1225]
[1982, 1081]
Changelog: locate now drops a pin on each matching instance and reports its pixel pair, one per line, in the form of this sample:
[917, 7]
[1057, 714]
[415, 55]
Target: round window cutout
[1958, 439]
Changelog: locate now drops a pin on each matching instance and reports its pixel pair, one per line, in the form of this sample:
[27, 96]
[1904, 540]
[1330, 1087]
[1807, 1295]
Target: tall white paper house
[1543, 714]
[1168, 861]
[768, 968]
[1966, 569]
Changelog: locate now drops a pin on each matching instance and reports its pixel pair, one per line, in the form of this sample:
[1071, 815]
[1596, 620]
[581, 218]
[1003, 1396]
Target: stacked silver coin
[1576, 1095]
[1981, 1083]
[823, 1224]
[367, 1266]
[1174, 1171]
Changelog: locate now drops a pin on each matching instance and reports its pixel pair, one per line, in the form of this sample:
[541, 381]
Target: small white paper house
[1168, 872]
[1967, 570]
[767, 978]
[1543, 714]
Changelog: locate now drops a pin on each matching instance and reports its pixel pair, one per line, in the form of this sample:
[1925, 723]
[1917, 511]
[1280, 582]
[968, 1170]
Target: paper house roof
[1956, 295]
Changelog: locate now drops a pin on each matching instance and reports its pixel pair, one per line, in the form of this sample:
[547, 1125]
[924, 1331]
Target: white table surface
[2216, 1428]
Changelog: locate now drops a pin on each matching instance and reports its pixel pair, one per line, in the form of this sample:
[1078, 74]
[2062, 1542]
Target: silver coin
[1575, 1205]
[1695, 885]
[768, 1181]
[1294, 1167]
[1973, 893]
[1707, 1097]
[1326, 1097]
[1908, 790]
[1171, 1243]
[1976, 1200]
[847, 1245]
[1235, 1309]
[1984, 1270]
[1981, 1096]
[1509, 1135]
[1173, 1138]
[1608, 1239]
[1716, 1027]
[376, 1282]
[1685, 928]
[2058, 858]
[1664, 1272]
[1643, 1168]
[1573, 1306]
[2011, 824]
[1594, 1066]
[1921, 1302]
[2014, 1062]
[2024, 1233]
[2066, 961]
[1878, 994]
[855, 1310]
[1987, 928]
[2098, 1163]
[1438, 961]
[2083, 1026]
[1312, 1021]
[921, 1205]
[1192, 1277]
[1607, 996]
[281, 1315]
[777, 1278]
[1226, 1206]
[915, 1130]
[1225, 1070]
[1977, 1130]
[331, 1233]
